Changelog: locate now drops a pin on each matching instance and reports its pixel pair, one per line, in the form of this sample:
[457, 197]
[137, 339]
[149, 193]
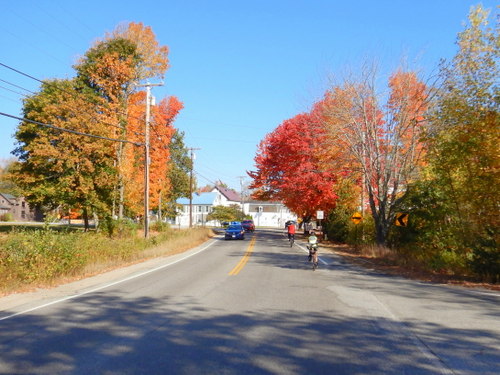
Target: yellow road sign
[356, 218]
[402, 219]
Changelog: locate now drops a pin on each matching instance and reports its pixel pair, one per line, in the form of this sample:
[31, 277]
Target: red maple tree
[290, 167]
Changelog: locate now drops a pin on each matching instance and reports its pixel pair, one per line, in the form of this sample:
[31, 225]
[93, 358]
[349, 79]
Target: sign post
[320, 215]
[356, 219]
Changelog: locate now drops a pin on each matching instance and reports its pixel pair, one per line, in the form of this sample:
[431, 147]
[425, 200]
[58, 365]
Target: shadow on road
[119, 334]
[148, 336]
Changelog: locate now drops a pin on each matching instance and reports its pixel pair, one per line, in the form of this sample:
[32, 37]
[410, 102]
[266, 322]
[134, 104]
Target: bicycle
[291, 238]
[313, 255]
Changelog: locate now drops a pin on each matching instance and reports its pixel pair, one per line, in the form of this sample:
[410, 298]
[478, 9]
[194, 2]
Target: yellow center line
[245, 258]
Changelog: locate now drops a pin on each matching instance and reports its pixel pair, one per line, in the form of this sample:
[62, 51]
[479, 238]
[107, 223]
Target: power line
[71, 93]
[44, 9]
[19, 87]
[75, 17]
[14, 91]
[69, 130]
[38, 28]
[205, 178]
[21, 73]
[12, 100]
[34, 46]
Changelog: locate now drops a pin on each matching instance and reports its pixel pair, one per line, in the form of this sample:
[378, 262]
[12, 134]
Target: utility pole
[191, 149]
[146, 155]
[241, 193]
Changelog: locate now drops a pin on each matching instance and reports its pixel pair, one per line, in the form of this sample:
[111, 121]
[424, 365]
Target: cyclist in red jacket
[291, 231]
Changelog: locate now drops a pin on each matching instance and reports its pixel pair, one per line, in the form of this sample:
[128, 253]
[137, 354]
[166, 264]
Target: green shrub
[337, 225]
[485, 259]
[160, 226]
[40, 255]
[6, 217]
[362, 233]
[448, 261]
[122, 228]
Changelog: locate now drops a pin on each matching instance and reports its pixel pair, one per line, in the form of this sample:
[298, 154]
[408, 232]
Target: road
[250, 307]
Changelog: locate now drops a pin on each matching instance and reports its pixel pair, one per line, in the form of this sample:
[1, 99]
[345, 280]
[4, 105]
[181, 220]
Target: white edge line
[108, 285]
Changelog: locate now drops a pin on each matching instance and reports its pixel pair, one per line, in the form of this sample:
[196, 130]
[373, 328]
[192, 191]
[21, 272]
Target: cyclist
[313, 247]
[291, 231]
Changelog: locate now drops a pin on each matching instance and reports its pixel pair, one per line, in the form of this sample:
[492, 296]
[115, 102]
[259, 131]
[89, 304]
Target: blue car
[235, 232]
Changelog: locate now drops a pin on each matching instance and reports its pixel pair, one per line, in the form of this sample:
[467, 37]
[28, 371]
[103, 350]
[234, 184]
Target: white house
[264, 214]
[268, 214]
[203, 203]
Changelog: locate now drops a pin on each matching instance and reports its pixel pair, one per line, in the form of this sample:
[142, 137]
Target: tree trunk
[382, 229]
[86, 219]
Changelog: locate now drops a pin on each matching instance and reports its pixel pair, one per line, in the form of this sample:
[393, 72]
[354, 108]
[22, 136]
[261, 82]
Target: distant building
[203, 204]
[268, 214]
[17, 207]
[264, 214]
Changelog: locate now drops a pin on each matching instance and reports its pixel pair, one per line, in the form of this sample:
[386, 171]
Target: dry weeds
[384, 260]
[177, 242]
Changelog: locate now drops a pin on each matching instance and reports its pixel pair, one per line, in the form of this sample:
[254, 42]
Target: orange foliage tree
[113, 68]
[154, 58]
[383, 139]
[161, 131]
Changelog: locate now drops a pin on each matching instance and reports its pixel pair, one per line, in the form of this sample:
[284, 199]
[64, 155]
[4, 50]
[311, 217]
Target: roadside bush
[40, 255]
[6, 217]
[362, 233]
[121, 228]
[485, 260]
[439, 238]
[337, 225]
[160, 226]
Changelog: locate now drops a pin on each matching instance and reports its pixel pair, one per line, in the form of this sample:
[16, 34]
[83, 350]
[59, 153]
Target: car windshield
[247, 222]
[235, 227]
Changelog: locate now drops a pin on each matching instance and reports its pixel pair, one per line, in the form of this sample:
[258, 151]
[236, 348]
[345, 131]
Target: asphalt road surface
[250, 307]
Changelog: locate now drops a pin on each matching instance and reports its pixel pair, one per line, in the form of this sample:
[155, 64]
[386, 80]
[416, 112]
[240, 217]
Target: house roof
[201, 198]
[9, 197]
[253, 201]
[230, 194]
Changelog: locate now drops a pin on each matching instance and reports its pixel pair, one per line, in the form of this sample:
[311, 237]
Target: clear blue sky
[239, 67]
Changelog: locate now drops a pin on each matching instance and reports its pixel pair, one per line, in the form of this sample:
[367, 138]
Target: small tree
[226, 213]
[7, 185]
[463, 139]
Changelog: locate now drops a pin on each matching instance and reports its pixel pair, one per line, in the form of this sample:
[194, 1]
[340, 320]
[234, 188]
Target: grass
[45, 257]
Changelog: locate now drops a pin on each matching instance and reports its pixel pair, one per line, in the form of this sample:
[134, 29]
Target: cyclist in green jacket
[313, 247]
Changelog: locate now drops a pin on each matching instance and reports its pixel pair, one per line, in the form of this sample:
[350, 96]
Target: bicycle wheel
[291, 241]
[315, 261]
